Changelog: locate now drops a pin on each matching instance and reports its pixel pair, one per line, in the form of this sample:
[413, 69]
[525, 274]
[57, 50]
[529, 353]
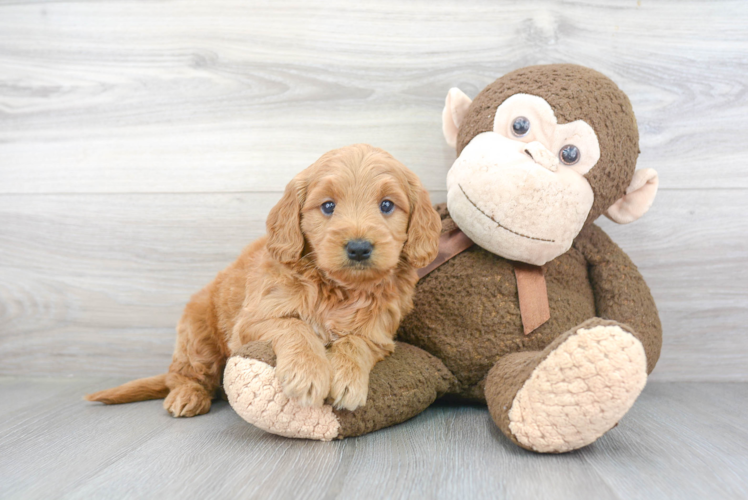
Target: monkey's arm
[400, 387]
[621, 294]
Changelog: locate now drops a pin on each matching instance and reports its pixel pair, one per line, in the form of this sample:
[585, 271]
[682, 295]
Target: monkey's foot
[256, 395]
[584, 383]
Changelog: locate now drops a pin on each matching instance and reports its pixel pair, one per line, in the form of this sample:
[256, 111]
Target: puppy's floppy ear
[285, 239]
[424, 226]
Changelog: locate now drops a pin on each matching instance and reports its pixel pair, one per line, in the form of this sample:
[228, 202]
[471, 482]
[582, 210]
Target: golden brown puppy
[328, 286]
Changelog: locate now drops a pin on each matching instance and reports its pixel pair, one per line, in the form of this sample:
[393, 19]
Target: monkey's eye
[327, 207]
[569, 154]
[387, 207]
[520, 126]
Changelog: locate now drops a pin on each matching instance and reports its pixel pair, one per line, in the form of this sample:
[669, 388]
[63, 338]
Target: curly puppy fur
[330, 318]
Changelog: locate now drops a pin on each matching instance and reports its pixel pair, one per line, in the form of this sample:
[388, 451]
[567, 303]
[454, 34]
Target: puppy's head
[357, 212]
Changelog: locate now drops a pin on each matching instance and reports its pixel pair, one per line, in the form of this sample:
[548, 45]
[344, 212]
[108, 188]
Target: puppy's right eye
[327, 207]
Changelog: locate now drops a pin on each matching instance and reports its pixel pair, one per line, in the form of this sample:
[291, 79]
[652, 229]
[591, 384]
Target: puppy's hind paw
[188, 400]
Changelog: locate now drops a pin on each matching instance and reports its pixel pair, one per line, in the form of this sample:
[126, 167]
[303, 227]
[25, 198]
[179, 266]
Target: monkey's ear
[285, 240]
[455, 107]
[638, 198]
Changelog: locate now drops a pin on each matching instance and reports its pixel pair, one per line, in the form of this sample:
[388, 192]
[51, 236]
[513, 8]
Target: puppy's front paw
[305, 378]
[350, 384]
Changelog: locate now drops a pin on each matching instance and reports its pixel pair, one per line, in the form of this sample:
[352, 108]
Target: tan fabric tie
[533, 294]
[451, 243]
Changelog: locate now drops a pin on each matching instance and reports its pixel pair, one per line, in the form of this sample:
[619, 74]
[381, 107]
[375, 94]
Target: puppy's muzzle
[359, 250]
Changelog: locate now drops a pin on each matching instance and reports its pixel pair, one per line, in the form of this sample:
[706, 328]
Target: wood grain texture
[229, 95]
[142, 144]
[681, 440]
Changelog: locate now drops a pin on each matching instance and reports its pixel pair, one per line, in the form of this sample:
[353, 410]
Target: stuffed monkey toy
[530, 307]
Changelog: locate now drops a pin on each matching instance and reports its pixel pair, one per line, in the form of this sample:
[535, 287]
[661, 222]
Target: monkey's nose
[541, 155]
[358, 250]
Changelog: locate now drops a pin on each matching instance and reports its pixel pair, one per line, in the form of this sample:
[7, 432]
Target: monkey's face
[543, 151]
[519, 190]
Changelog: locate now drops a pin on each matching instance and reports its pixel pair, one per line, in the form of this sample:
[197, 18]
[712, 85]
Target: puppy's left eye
[387, 207]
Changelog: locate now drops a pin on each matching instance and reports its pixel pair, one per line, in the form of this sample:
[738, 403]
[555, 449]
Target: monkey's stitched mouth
[498, 223]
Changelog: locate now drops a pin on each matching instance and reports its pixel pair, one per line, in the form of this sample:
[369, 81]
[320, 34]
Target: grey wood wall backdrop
[142, 144]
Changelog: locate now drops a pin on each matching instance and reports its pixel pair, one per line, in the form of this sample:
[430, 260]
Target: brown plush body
[466, 312]
[542, 153]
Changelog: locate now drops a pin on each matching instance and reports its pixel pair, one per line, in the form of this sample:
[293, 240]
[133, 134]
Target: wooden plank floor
[681, 440]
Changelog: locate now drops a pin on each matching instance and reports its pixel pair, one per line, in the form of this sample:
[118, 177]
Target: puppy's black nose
[358, 250]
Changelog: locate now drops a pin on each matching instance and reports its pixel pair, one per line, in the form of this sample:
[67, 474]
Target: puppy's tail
[137, 390]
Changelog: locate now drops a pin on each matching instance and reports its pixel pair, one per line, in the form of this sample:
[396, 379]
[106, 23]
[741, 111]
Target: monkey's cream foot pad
[256, 395]
[580, 390]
